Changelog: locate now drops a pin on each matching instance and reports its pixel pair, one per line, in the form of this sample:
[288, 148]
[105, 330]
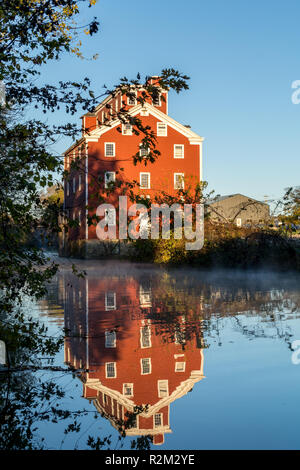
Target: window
[110, 339]
[126, 129]
[178, 151]
[132, 421]
[238, 222]
[109, 177]
[163, 388]
[145, 297]
[128, 390]
[110, 301]
[146, 366]
[110, 217]
[179, 335]
[111, 372]
[145, 337]
[178, 180]
[74, 185]
[79, 183]
[179, 366]
[145, 180]
[161, 129]
[157, 420]
[131, 100]
[68, 188]
[144, 151]
[79, 216]
[110, 149]
[156, 101]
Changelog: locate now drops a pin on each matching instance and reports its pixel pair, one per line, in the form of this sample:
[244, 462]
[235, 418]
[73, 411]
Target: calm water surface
[207, 356]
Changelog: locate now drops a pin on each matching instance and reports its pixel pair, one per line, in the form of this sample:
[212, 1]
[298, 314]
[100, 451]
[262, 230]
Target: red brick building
[133, 357]
[106, 151]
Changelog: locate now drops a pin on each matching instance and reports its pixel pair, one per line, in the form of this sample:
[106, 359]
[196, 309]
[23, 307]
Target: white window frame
[176, 174]
[145, 296]
[164, 383]
[150, 366]
[142, 342]
[165, 134]
[161, 420]
[128, 99]
[106, 183]
[105, 149]
[159, 100]
[178, 145]
[127, 385]
[115, 370]
[149, 180]
[180, 366]
[141, 150]
[108, 221]
[110, 339]
[109, 307]
[128, 131]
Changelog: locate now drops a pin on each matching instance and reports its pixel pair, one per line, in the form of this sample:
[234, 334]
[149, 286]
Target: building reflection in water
[135, 348]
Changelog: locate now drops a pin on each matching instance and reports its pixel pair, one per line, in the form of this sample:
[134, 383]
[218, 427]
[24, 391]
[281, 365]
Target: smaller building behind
[238, 209]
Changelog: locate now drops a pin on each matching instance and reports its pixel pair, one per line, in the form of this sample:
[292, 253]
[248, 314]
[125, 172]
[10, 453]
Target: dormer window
[156, 100]
[131, 100]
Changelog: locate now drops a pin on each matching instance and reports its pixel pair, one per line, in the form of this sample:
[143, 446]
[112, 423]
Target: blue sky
[242, 57]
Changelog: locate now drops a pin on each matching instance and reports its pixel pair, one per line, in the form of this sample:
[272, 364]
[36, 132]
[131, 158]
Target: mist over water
[207, 354]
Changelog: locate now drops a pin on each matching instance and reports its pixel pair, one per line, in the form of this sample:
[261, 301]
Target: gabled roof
[98, 132]
[222, 198]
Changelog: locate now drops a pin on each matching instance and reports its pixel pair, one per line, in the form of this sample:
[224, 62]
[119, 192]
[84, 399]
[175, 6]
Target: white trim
[182, 149]
[128, 98]
[159, 100]
[109, 340]
[129, 386]
[129, 131]
[181, 174]
[106, 183]
[115, 370]
[154, 111]
[177, 366]
[109, 307]
[155, 426]
[149, 180]
[150, 365]
[114, 149]
[165, 134]
[108, 221]
[148, 328]
[160, 394]
[86, 191]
